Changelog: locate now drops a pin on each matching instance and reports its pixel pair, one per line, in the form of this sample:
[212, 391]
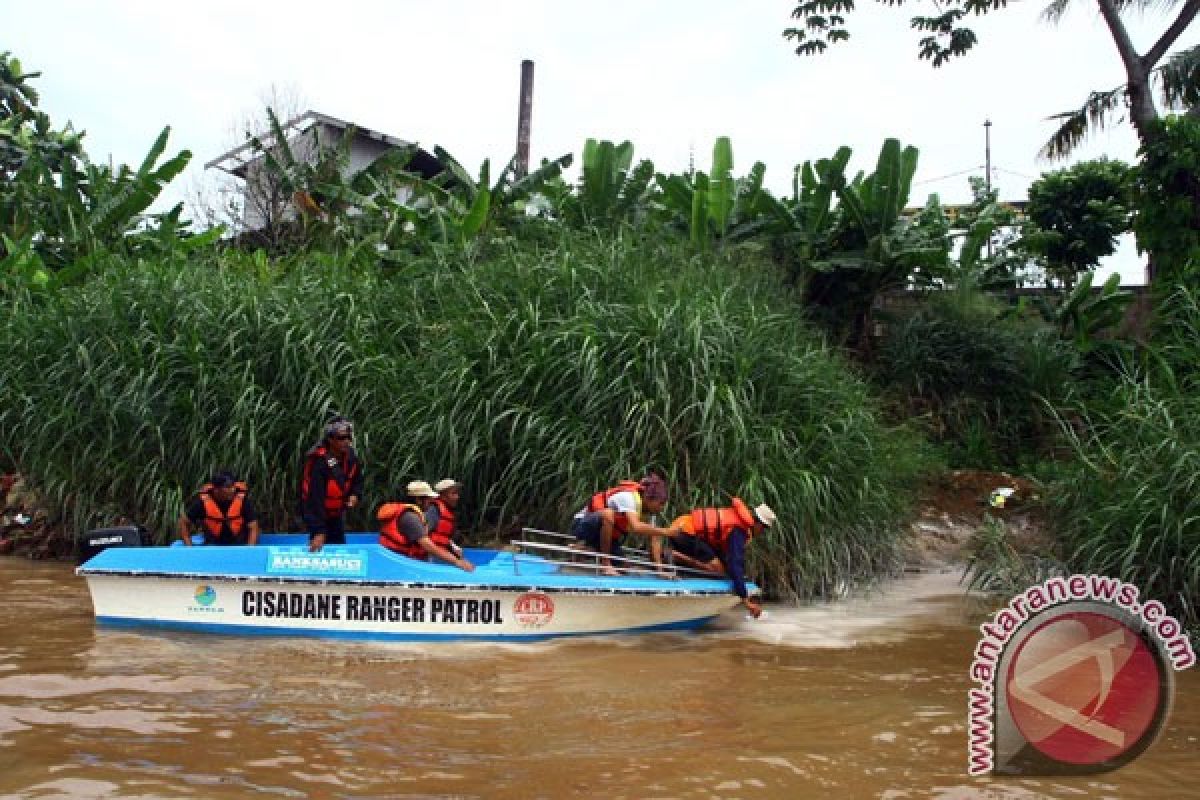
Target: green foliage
[1076, 215]
[979, 379]
[535, 375]
[717, 208]
[1129, 505]
[1084, 314]
[60, 214]
[1167, 196]
[611, 191]
[990, 256]
[866, 246]
[824, 23]
[997, 564]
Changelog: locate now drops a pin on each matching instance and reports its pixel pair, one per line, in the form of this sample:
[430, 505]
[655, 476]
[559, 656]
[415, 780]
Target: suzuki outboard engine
[103, 538]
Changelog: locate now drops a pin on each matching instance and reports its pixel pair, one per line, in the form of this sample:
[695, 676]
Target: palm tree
[1176, 81]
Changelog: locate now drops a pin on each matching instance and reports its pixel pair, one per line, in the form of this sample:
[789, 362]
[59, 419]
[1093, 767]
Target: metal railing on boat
[576, 555]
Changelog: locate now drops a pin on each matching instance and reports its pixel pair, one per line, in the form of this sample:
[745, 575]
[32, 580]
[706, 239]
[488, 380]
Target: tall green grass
[536, 375]
[1128, 504]
[981, 383]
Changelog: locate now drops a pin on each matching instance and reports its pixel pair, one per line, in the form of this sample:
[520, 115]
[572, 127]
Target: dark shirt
[734, 559]
[411, 527]
[432, 515]
[313, 511]
[195, 513]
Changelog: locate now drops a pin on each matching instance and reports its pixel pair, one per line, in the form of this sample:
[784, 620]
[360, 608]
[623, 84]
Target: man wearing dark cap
[223, 511]
[331, 482]
[611, 514]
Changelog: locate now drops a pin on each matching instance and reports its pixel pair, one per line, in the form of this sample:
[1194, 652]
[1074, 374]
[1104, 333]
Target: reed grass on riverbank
[1129, 505]
[536, 376]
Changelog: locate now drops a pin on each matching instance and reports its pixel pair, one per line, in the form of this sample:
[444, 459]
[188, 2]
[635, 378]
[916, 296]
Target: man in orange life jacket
[440, 514]
[403, 528]
[615, 512]
[223, 511]
[331, 482]
[715, 539]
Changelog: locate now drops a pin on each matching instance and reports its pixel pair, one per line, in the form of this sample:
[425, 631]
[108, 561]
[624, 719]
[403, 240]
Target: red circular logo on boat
[1084, 688]
[533, 608]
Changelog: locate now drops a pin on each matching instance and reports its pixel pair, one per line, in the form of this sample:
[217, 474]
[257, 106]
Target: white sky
[669, 75]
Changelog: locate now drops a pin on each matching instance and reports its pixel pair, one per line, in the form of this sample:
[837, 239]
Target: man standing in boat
[404, 529]
[331, 483]
[611, 514]
[715, 539]
[223, 511]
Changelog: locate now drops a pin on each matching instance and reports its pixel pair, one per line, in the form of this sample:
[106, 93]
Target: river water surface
[863, 698]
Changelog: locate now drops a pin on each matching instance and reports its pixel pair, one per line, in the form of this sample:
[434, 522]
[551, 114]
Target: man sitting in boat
[223, 511]
[331, 482]
[715, 539]
[440, 514]
[403, 529]
[611, 514]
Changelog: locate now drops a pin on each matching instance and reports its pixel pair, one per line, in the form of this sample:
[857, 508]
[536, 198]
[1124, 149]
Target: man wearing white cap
[439, 515]
[715, 539]
[403, 528]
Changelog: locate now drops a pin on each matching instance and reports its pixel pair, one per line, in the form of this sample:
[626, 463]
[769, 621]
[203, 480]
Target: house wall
[262, 205]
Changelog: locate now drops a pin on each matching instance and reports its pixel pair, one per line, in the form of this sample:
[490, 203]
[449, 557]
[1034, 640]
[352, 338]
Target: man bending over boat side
[403, 528]
[331, 481]
[715, 539]
[223, 511]
[615, 512]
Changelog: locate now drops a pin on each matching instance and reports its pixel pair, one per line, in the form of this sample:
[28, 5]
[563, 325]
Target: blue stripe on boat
[308, 633]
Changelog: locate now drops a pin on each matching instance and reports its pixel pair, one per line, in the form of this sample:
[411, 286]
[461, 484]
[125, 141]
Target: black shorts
[693, 547]
[335, 530]
[587, 530]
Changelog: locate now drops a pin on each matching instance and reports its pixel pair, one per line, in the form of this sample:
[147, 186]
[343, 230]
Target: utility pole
[987, 169]
[524, 118]
[987, 152]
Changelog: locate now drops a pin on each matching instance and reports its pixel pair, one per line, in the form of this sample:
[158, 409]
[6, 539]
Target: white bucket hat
[420, 489]
[446, 483]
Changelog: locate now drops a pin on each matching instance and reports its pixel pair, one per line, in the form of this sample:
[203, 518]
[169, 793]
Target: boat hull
[383, 612]
[365, 592]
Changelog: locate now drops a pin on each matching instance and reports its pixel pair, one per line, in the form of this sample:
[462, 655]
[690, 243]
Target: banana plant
[395, 207]
[717, 208]
[611, 190]
[1085, 312]
[864, 246]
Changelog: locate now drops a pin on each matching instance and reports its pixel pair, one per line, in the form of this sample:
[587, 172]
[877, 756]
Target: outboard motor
[103, 538]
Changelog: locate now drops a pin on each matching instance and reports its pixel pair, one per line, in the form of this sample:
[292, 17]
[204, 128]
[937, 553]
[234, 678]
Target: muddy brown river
[862, 698]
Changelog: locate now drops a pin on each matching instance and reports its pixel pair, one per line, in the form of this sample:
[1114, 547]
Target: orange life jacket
[217, 521]
[390, 535]
[599, 502]
[714, 525]
[443, 533]
[336, 492]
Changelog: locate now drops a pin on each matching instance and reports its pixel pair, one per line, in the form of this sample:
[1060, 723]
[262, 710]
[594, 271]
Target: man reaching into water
[714, 540]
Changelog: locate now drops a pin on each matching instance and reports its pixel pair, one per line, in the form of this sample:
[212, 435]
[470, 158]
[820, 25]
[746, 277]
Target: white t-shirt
[621, 502]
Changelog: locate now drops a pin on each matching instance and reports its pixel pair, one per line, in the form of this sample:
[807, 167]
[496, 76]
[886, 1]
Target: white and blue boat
[361, 590]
